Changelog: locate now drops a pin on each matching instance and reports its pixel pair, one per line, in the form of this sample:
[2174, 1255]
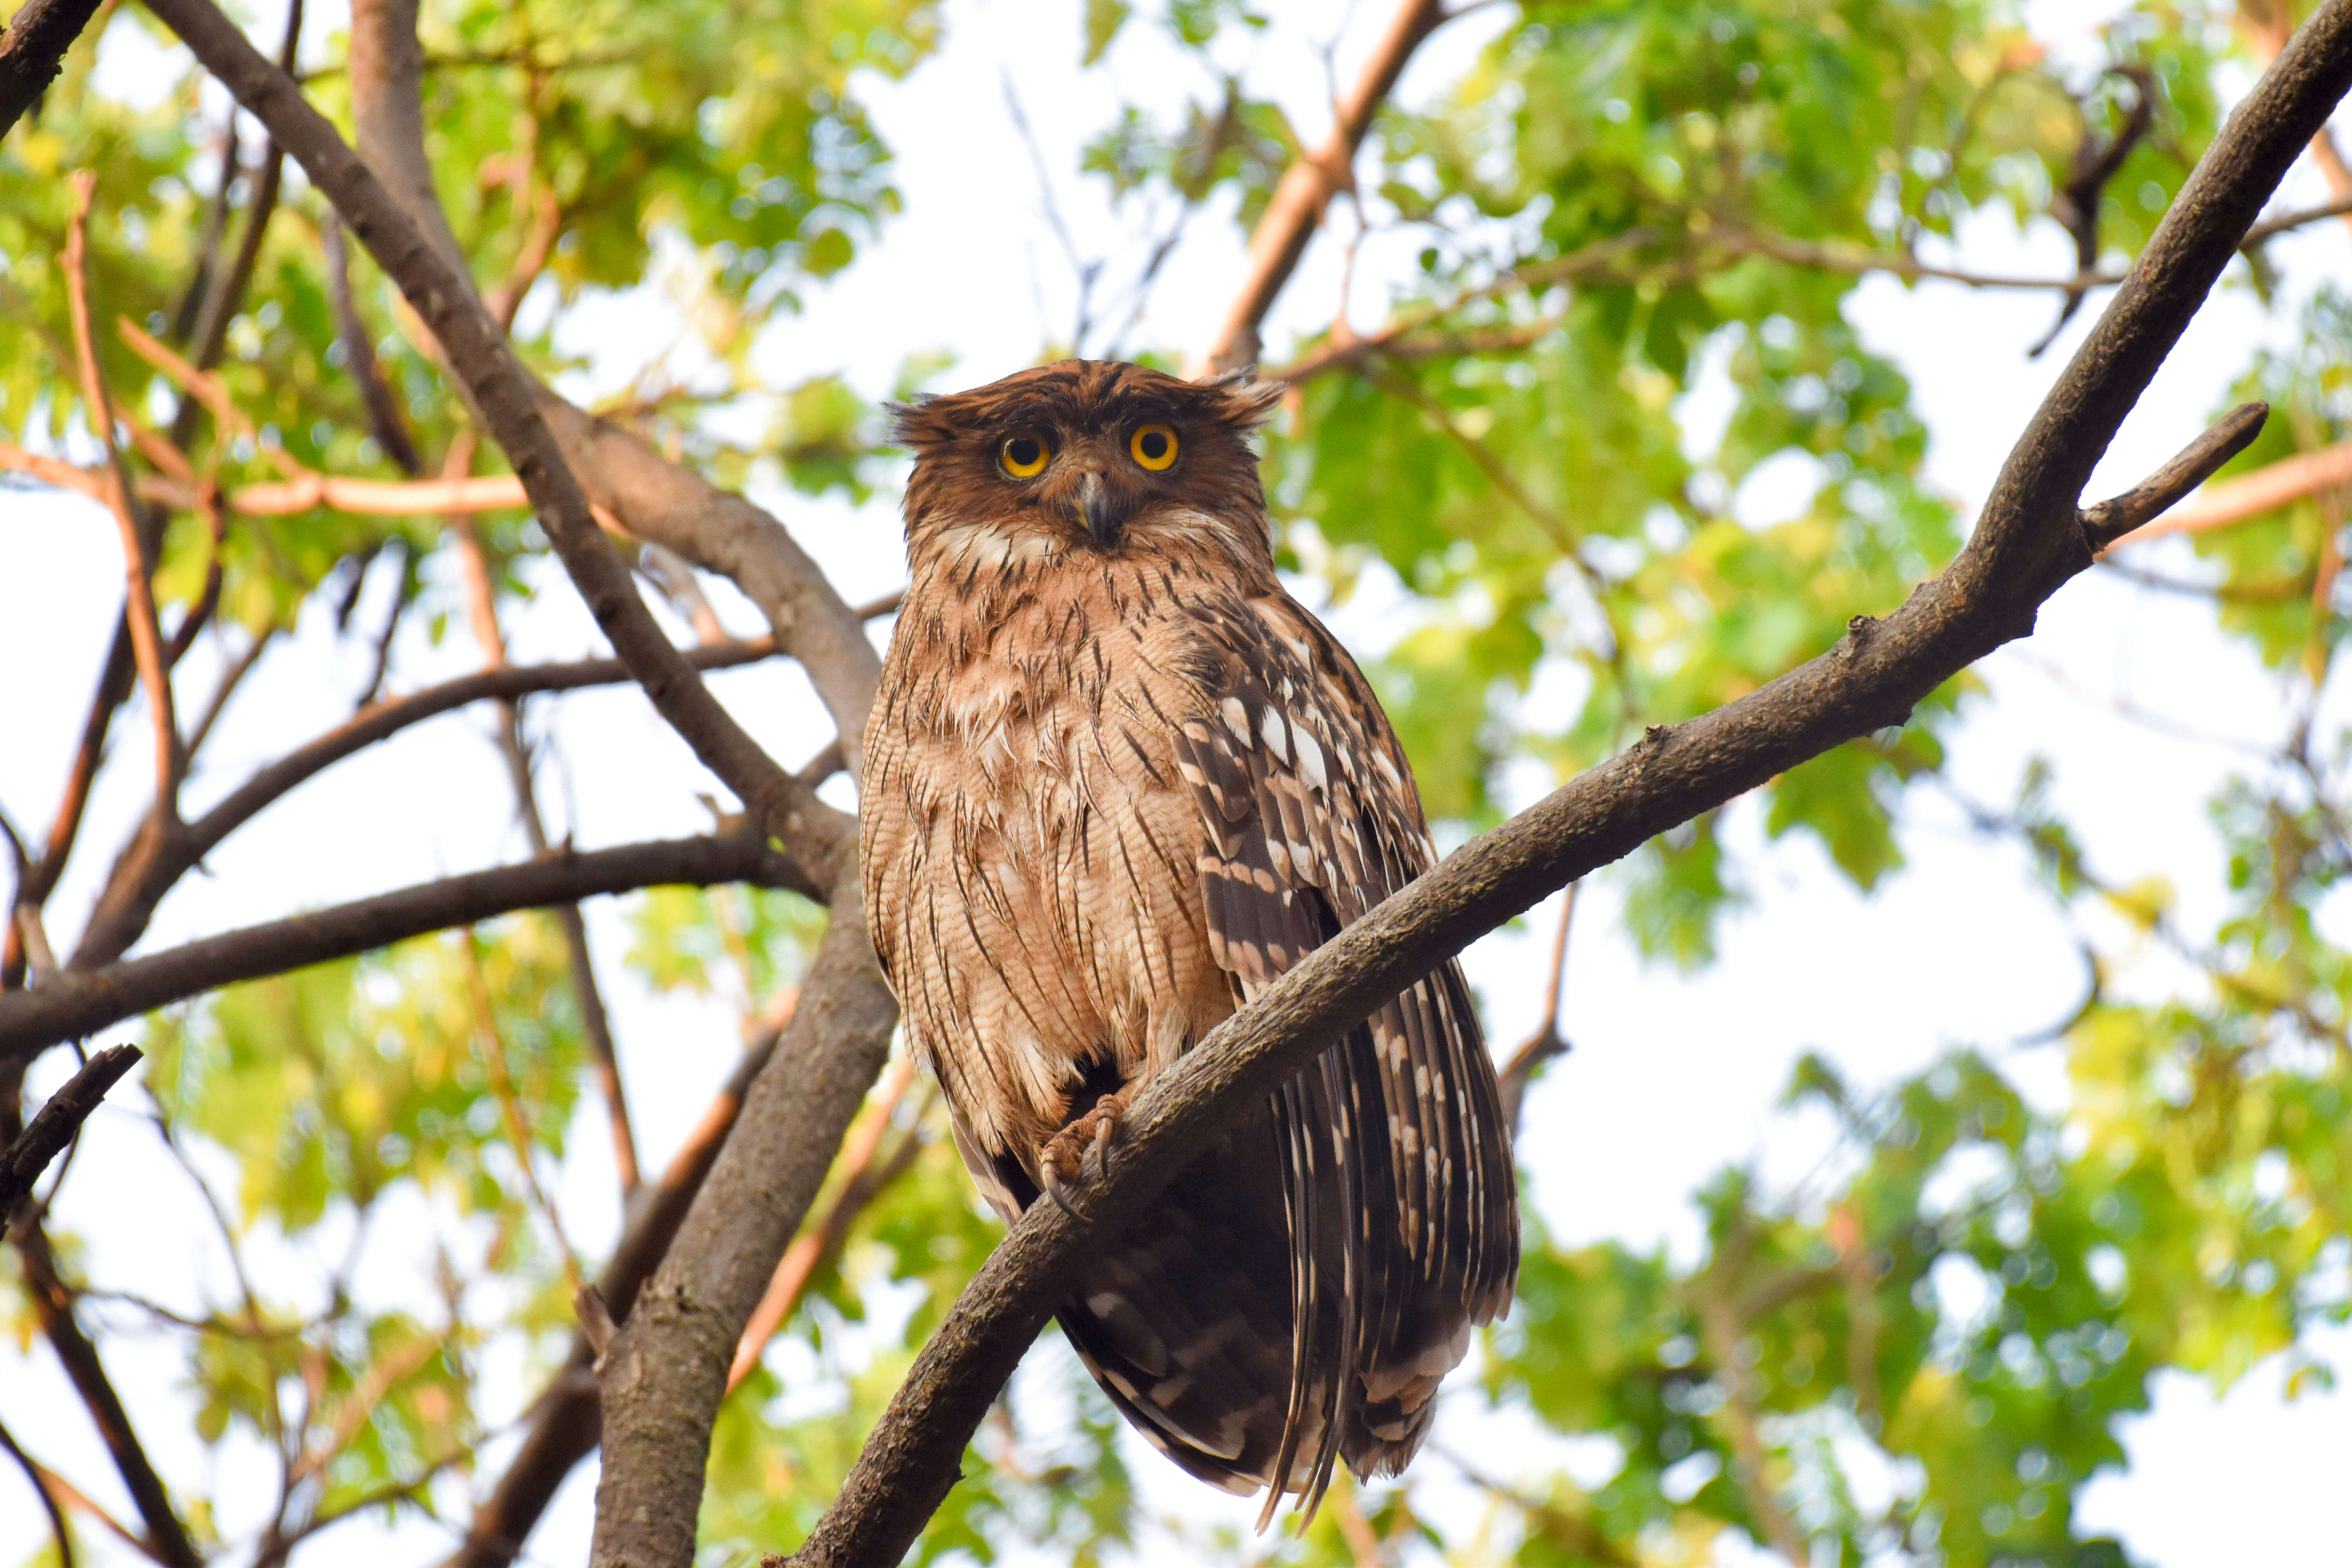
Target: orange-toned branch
[1296, 211]
[146, 638]
[481, 598]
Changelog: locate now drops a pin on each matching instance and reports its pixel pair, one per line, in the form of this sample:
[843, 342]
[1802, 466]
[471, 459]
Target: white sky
[1674, 1075]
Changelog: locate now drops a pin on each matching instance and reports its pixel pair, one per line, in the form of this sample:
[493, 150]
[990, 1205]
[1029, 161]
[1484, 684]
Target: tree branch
[153, 864]
[2028, 542]
[167, 1539]
[662, 1378]
[506, 395]
[33, 51]
[57, 1531]
[653, 499]
[1296, 209]
[82, 1001]
[1827, 258]
[564, 1418]
[2270, 228]
[138, 593]
[48, 1133]
[2107, 521]
[1547, 1041]
[2266, 488]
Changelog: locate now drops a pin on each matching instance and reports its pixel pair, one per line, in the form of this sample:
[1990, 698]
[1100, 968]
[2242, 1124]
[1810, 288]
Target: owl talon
[1107, 1112]
[1057, 1188]
[1079, 1154]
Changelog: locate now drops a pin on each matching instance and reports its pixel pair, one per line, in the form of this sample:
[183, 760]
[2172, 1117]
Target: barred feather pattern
[1118, 781]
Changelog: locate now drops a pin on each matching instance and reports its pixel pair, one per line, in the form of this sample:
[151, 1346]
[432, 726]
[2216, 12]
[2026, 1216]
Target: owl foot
[1064, 1160]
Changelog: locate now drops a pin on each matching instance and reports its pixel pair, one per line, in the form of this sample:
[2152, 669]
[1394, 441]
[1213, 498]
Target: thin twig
[481, 600]
[1296, 209]
[1546, 1042]
[2105, 523]
[2270, 228]
[139, 604]
[57, 1124]
[494, 1059]
[57, 1531]
[2250, 495]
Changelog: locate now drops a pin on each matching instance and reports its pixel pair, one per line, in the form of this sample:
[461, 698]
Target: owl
[1117, 780]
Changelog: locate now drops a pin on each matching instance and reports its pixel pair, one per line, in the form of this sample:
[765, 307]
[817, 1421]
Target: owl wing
[1399, 1175]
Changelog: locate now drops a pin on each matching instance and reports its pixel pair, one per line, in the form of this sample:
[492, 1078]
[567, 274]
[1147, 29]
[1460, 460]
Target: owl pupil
[1153, 444]
[1023, 450]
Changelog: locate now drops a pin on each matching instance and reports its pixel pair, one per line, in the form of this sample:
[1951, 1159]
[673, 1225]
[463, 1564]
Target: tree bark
[33, 52]
[80, 1001]
[662, 1379]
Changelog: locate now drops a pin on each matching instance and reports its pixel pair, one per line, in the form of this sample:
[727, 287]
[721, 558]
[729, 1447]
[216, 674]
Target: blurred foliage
[1615, 458]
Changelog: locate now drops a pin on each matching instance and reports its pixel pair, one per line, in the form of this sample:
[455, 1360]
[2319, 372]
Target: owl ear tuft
[1240, 401]
[919, 425]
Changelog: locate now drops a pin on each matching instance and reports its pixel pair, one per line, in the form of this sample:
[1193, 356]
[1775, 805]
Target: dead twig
[57, 1123]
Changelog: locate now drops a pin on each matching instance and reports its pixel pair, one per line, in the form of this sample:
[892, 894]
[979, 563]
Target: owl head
[1086, 459]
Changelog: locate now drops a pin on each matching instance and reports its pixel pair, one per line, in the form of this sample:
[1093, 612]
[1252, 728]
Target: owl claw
[1057, 1188]
[1105, 1129]
[1079, 1154]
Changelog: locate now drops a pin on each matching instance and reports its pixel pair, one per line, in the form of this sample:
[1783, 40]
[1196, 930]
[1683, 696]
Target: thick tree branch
[45, 1136]
[82, 1001]
[663, 1377]
[2027, 543]
[1296, 209]
[506, 395]
[33, 51]
[653, 499]
[564, 1418]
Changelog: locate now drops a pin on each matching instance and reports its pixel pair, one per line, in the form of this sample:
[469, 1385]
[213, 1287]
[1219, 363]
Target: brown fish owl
[1117, 780]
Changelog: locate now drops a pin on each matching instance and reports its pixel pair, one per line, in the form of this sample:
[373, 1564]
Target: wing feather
[1398, 1186]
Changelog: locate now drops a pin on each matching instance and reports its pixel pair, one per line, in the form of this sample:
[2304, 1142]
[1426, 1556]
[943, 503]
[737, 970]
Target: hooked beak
[1097, 509]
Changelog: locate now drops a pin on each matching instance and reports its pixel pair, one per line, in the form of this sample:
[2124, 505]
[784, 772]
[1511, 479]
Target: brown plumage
[1117, 780]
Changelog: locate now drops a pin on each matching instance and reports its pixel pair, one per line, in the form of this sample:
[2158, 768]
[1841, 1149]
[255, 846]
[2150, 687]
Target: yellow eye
[1025, 455]
[1154, 447]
